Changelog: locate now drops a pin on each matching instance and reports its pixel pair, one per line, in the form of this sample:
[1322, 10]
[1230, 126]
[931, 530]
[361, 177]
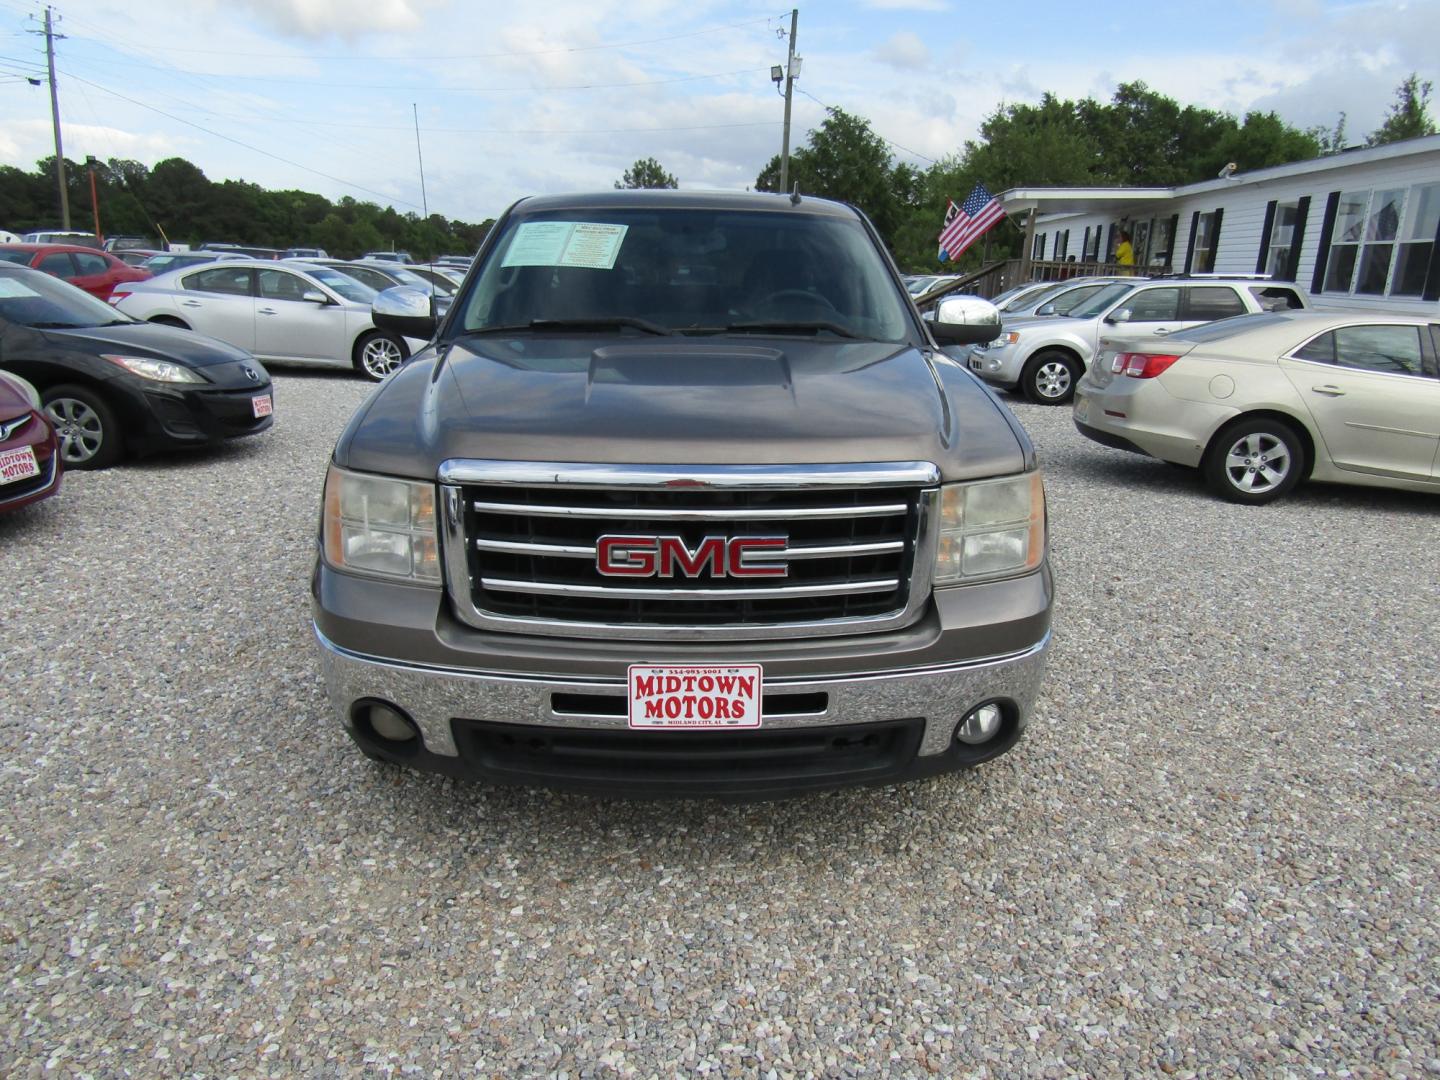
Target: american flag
[980, 212]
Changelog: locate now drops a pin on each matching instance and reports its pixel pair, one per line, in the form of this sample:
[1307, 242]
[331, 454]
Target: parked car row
[109, 385]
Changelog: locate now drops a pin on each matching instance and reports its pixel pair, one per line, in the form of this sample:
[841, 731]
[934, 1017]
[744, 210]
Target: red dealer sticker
[262, 405]
[694, 696]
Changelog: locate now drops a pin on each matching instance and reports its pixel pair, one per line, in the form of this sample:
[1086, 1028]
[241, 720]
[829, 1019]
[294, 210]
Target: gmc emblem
[667, 556]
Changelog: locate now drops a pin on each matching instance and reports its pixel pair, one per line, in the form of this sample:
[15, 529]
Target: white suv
[1045, 356]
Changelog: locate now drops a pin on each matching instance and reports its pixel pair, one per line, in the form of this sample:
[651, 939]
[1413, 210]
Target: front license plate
[263, 405]
[18, 465]
[695, 696]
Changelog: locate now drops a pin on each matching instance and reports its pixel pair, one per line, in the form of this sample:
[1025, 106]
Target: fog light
[980, 726]
[390, 724]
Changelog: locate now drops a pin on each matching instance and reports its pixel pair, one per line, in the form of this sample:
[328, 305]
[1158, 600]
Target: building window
[1282, 239]
[1062, 244]
[1207, 234]
[1039, 252]
[1092, 244]
[1383, 241]
[1417, 245]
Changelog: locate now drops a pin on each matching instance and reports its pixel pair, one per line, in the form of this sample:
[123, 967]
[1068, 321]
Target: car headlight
[159, 370]
[380, 525]
[990, 528]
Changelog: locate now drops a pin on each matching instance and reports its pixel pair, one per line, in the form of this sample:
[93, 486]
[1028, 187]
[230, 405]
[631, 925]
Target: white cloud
[338, 18]
[904, 51]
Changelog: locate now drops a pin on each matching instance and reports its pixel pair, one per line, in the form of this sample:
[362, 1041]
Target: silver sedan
[1261, 402]
[290, 313]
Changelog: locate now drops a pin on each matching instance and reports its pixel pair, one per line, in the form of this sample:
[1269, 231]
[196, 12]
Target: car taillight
[1142, 365]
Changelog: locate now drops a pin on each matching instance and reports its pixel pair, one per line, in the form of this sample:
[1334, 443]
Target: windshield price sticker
[587, 244]
[21, 464]
[695, 697]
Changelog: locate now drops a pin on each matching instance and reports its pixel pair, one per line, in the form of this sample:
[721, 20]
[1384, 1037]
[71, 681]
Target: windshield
[413, 280]
[1022, 297]
[1067, 301]
[343, 284]
[1100, 301]
[46, 303]
[1224, 328]
[21, 257]
[687, 270]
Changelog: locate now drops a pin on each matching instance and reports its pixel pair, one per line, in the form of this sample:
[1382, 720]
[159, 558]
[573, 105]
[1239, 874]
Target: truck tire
[1050, 377]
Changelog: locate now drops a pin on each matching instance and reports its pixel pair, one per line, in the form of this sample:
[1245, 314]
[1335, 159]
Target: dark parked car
[97, 272]
[112, 385]
[29, 464]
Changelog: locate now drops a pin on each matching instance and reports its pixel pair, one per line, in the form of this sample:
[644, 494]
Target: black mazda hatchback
[114, 386]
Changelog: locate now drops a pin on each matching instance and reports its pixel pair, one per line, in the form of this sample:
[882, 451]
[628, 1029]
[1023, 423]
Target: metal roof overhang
[1079, 200]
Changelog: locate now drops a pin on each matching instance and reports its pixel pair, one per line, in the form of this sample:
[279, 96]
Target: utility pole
[94, 197]
[790, 74]
[55, 119]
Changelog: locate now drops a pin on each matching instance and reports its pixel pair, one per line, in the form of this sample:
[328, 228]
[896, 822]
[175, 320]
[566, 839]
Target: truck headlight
[990, 528]
[380, 525]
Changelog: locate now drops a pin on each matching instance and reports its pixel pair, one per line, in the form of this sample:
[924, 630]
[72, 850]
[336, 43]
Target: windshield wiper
[795, 327]
[57, 326]
[599, 322]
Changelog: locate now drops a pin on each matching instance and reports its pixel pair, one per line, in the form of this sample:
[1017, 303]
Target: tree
[646, 173]
[1409, 116]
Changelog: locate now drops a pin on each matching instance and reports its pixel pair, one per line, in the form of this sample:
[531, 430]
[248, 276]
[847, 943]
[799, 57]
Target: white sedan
[290, 313]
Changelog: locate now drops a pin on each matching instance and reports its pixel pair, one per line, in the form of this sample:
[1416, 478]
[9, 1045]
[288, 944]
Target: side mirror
[315, 296]
[965, 320]
[1121, 316]
[1045, 309]
[405, 311]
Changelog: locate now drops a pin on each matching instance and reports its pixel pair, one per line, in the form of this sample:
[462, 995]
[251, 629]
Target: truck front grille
[530, 553]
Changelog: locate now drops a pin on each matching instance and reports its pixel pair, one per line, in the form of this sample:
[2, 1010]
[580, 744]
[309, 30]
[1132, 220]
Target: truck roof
[690, 200]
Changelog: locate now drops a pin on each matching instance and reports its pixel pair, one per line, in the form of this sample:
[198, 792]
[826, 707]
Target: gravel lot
[1215, 853]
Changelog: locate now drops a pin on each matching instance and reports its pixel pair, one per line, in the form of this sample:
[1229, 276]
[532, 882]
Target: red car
[97, 272]
[29, 458]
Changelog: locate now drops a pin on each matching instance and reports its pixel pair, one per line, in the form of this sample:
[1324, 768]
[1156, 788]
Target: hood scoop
[688, 365]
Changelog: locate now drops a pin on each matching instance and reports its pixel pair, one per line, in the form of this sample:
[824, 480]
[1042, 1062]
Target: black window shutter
[1297, 238]
[1265, 237]
[1432, 276]
[1215, 237]
[1102, 253]
[1085, 248]
[1174, 230]
[1190, 248]
[1322, 254]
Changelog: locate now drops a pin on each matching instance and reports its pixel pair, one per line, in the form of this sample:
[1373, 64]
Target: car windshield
[412, 279]
[1022, 297]
[343, 284]
[687, 270]
[45, 303]
[1100, 301]
[1067, 301]
[21, 258]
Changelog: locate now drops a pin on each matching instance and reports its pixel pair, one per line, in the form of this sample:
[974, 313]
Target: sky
[515, 99]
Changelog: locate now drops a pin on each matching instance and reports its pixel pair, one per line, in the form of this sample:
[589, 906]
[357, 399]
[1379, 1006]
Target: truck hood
[733, 400]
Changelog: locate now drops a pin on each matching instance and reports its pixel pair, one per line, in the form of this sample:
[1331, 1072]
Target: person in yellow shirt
[1124, 252]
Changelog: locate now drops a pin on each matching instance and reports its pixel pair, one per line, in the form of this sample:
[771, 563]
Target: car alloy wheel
[1050, 378]
[1258, 463]
[79, 428]
[380, 356]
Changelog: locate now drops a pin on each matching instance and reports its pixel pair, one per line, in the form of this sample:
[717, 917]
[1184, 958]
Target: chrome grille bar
[556, 588]
[657, 514]
[587, 551]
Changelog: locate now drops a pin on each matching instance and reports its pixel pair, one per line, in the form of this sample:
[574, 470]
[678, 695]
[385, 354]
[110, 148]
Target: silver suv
[1044, 356]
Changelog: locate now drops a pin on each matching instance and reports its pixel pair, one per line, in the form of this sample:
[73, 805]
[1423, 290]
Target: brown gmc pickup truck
[683, 500]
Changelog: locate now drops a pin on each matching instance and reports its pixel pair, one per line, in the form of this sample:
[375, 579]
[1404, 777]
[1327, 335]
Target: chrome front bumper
[434, 696]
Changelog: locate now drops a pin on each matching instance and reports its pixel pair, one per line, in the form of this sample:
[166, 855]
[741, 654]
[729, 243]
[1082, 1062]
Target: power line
[888, 142]
[432, 57]
[241, 143]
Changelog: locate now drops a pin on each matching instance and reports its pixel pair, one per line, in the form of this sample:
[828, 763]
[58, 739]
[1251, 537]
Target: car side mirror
[965, 320]
[315, 296]
[405, 311]
[1122, 316]
[1045, 309]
